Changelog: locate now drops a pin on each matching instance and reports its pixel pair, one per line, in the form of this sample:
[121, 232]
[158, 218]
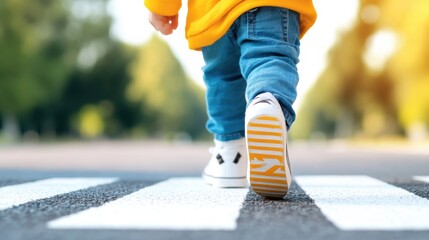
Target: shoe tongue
[232, 143]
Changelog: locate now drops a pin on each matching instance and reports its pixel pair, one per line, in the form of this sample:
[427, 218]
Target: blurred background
[74, 70]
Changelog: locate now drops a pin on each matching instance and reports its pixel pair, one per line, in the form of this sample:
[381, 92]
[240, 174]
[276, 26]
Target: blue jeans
[258, 54]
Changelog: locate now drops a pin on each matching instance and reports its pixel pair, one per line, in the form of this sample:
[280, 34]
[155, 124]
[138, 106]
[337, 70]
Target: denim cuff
[288, 118]
[229, 136]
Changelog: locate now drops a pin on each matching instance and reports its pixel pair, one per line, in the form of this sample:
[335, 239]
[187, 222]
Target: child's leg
[269, 42]
[226, 87]
[226, 106]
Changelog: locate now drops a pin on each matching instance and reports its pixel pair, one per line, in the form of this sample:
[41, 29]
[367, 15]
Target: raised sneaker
[269, 171]
[227, 167]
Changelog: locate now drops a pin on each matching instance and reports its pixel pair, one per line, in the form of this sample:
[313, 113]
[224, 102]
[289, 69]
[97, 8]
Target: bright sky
[131, 25]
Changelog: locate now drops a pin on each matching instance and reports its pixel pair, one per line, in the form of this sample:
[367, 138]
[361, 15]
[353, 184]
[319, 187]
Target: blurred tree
[378, 74]
[103, 86]
[409, 67]
[34, 56]
[330, 108]
[172, 102]
[49, 47]
[62, 73]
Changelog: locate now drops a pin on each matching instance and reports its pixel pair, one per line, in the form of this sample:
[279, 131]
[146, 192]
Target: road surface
[153, 190]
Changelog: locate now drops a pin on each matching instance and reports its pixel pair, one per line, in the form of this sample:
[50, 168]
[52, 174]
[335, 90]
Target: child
[251, 49]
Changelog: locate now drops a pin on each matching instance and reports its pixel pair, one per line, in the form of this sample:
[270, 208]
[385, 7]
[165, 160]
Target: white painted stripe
[23, 193]
[365, 203]
[178, 203]
[422, 178]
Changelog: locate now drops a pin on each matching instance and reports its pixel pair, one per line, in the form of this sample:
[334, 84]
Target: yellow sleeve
[164, 7]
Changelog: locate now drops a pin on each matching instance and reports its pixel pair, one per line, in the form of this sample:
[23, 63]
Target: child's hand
[164, 24]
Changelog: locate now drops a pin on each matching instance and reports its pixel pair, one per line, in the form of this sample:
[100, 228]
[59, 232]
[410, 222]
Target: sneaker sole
[266, 143]
[238, 182]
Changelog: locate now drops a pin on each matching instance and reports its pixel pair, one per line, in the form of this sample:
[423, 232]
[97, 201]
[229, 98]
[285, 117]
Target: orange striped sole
[265, 141]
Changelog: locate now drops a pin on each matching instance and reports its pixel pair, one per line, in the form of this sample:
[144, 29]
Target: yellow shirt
[209, 20]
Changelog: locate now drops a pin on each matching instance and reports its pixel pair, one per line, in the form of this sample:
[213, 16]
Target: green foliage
[159, 83]
[33, 49]
[102, 86]
[62, 75]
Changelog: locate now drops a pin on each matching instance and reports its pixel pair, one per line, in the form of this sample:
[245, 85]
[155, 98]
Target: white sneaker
[228, 164]
[269, 171]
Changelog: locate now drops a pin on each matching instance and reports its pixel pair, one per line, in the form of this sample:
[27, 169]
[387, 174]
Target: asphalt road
[140, 173]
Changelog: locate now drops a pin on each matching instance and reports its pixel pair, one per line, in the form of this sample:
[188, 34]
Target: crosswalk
[178, 203]
[350, 203]
[365, 203]
[22, 193]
